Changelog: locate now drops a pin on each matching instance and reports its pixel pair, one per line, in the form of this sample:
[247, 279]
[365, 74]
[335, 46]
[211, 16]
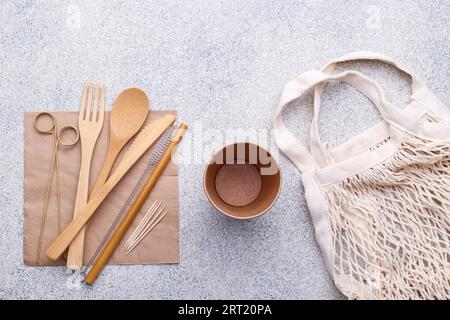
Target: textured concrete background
[221, 64]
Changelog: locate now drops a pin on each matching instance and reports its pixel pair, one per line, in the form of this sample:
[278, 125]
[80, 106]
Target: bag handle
[319, 150]
[294, 89]
[416, 84]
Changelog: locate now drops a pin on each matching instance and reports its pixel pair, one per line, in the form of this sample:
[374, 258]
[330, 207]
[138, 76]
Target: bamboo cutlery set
[128, 115]
[135, 192]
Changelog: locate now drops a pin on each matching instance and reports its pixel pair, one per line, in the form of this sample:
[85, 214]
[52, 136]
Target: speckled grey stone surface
[223, 63]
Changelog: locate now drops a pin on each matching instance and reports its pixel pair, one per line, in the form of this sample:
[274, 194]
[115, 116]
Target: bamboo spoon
[129, 111]
[128, 115]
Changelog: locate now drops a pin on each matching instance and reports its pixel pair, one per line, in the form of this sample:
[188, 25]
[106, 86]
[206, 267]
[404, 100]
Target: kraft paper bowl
[242, 181]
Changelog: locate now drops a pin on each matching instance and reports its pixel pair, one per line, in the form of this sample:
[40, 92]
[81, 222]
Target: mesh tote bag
[380, 202]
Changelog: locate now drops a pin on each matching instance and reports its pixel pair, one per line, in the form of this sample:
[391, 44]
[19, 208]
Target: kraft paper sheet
[160, 246]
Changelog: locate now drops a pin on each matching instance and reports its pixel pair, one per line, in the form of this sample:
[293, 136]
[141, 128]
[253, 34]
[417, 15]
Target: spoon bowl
[129, 111]
[128, 114]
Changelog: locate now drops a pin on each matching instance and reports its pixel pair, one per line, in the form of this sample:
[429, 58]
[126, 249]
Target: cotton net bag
[380, 202]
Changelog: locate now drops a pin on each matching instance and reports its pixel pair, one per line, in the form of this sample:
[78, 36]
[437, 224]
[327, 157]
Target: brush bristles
[162, 145]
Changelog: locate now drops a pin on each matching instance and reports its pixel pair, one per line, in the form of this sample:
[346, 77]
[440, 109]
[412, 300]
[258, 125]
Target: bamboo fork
[153, 216]
[90, 124]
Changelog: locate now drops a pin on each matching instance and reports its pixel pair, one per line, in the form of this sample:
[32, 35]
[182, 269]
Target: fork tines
[90, 111]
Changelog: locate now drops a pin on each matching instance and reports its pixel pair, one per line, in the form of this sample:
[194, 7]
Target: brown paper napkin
[160, 246]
